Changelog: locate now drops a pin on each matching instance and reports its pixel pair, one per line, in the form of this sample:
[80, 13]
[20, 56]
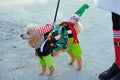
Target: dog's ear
[32, 41]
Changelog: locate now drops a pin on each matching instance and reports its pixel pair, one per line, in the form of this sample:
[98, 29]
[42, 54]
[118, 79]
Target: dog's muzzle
[25, 36]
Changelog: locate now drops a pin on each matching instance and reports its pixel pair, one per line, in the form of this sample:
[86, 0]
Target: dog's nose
[21, 35]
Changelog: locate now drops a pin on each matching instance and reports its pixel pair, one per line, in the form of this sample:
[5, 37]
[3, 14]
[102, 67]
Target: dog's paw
[49, 74]
[42, 73]
[79, 69]
[70, 63]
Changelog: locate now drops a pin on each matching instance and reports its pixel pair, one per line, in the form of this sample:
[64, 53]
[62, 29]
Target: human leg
[116, 37]
[115, 68]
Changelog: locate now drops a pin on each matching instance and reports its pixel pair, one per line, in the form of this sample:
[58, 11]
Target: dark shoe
[108, 74]
[116, 77]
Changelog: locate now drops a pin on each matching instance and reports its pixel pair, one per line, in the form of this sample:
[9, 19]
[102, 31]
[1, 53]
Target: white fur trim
[57, 37]
[42, 45]
[72, 20]
[76, 16]
[116, 34]
[69, 31]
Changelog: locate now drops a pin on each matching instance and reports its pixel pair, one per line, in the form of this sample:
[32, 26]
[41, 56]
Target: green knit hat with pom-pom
[82, 9]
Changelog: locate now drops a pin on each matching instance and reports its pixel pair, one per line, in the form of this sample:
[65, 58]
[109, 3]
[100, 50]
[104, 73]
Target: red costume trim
[116, 38]
[71, 26]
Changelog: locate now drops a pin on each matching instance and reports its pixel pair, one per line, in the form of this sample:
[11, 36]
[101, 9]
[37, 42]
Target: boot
[108, 74]
[116, 77]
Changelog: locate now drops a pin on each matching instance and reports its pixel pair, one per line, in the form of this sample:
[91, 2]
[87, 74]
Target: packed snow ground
[17, 59]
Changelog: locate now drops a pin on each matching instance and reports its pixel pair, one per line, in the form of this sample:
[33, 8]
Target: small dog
[36, 40]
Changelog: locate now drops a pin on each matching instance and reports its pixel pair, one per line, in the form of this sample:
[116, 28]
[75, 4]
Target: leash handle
[56, 11]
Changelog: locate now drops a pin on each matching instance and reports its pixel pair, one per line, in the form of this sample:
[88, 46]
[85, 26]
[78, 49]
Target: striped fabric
[116, 34]
[44, 29]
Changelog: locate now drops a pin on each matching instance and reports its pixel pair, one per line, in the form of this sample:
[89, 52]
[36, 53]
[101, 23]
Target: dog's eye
[28, 33]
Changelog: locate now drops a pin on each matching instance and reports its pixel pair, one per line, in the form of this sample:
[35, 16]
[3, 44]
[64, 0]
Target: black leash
[56, 11]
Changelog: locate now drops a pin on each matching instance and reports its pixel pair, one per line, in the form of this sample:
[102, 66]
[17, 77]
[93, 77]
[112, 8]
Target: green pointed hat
[81, 10]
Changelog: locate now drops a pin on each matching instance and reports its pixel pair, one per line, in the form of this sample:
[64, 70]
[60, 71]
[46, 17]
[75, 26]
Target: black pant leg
[116, 21]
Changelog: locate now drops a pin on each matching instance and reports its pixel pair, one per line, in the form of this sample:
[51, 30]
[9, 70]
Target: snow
[17, 59]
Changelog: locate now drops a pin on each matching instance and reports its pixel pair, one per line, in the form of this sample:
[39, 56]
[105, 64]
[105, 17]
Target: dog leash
[56, 11]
